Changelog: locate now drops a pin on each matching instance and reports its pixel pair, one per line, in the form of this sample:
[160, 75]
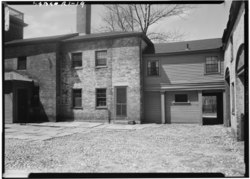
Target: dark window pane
[101, 58]
[101, 97]
[77, 98]
[21, 63]
[181, 98]
[76, 59]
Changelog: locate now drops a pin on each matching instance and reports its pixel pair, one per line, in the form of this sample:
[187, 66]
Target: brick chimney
[83, 19]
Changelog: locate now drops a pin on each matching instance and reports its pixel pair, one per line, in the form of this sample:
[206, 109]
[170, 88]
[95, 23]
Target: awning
[10, 76]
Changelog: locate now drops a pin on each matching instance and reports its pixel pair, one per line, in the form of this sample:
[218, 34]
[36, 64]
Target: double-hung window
[153, 68]
[101, 97]
[212, 65]
[76, 59]
[101, 58]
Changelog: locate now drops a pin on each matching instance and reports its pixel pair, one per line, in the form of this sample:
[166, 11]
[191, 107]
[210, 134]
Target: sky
[202, 22]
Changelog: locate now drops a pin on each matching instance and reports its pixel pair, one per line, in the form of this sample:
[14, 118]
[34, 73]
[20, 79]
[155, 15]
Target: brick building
[235, 71]
[113, 77]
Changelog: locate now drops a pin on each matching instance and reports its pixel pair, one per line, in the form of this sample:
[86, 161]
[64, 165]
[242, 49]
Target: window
[101, 98]
[21, 63]
[233, 99]
[77, 98]
[76, 59]
[181, 98]
[212, 65]
[153, 68]
[101, 58]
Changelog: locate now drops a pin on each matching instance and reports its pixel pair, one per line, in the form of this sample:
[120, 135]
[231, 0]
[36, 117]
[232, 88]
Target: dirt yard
[169, 148]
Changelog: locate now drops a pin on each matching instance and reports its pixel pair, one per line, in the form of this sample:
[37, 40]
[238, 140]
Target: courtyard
[95, 147]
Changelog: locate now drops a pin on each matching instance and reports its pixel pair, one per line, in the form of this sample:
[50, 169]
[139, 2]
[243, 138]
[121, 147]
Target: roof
[40, 39]
[195, 45]
[9, 76]
[76, 37]
[107, 35]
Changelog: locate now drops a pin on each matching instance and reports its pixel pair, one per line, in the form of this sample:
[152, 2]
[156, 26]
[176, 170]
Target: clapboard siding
[183, 69]
[182, 113]
[152, 107]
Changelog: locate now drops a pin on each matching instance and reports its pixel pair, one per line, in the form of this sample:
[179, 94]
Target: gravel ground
[170, 148]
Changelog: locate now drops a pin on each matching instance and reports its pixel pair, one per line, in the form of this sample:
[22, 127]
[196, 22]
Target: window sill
[98, 67]
[77, 108]
[181, 103]
[101, 107]
[77, 68]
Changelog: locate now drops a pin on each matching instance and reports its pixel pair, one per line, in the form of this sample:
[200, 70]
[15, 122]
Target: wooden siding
[152, 107]
[183, 113]
[188, 68]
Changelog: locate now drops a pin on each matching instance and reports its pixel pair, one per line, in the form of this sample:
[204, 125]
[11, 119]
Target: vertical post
[225, 123]
[163, 107]
[200, 106]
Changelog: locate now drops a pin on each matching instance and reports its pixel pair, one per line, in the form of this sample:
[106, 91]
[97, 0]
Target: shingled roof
[195, 45]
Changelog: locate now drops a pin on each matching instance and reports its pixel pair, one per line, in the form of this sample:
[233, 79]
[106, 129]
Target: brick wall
[123, 69]
[41, 66]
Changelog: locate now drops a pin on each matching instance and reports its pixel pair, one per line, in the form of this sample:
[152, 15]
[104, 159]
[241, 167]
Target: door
[212, 108]
[121, 102]
[22, 105]
[152, 106]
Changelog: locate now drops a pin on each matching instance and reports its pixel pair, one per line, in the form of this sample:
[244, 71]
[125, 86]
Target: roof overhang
[14, 76]
[218, 85]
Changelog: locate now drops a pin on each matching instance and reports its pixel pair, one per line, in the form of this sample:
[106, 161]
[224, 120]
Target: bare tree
[139, 17]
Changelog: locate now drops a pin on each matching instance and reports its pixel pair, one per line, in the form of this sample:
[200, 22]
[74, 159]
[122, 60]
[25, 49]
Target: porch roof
[9, 76]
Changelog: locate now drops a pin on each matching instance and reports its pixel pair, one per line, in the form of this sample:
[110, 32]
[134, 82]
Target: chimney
[83, 19]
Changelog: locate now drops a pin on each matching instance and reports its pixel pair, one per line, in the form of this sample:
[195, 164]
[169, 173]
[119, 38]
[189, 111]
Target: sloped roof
[107, 35]
[194, 45]
[12, 75]
[40, 39]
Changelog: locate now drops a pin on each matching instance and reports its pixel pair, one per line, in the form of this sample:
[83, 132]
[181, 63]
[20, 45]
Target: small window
[101, 58]
[76, 59]
[77, 98]
[21, 63]
[153, 68]
[212, 65]
[181, 98]
[101, 98]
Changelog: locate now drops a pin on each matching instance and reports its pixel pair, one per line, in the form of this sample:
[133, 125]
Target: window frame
[96, 98]
[149, 61]
[73, 99]
[96, 59]
[18, 62]
[73, 62]
[218, 65]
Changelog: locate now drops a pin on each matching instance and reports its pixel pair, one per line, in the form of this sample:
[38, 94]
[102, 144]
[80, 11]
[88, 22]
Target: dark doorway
[22, 105]
[212, 108]
[121, 102]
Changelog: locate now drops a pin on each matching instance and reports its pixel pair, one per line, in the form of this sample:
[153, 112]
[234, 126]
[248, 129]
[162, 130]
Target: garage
[152, 107]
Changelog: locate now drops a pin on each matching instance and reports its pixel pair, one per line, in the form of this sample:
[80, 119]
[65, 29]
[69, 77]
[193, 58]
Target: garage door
[152, 107]
[8, 108]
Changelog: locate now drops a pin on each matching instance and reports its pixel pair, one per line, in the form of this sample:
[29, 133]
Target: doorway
[212, 108]
[121, 102]
[22, 105]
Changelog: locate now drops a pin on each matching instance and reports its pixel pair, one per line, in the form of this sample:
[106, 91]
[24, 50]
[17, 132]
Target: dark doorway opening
[121, 102]
[22, 105]
[212, 108]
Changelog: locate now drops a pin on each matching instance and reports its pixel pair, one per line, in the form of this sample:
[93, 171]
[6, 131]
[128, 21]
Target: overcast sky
[204, 21]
